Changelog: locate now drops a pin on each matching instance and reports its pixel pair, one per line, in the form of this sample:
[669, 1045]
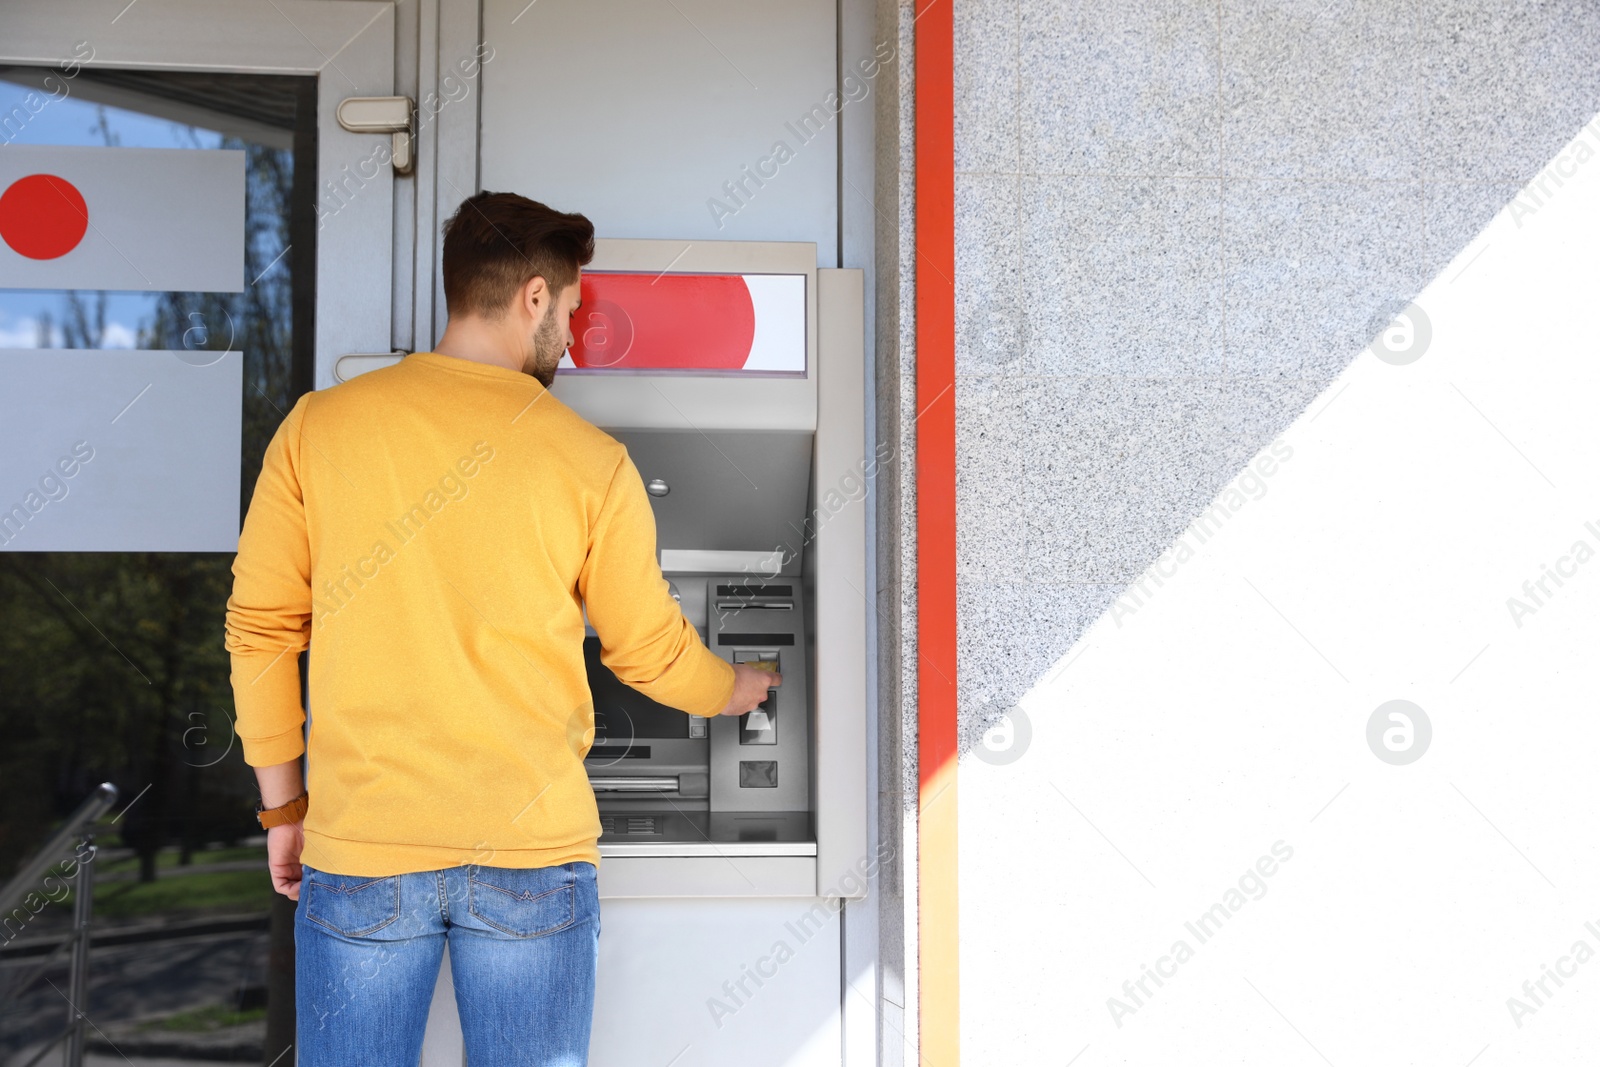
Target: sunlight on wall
[1200, 848]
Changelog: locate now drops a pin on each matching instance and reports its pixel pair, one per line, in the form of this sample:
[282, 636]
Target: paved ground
[94, 1059]
[137, 981]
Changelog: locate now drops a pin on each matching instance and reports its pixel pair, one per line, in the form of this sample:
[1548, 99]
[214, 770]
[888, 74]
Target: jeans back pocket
[353, 905]
[522, 902]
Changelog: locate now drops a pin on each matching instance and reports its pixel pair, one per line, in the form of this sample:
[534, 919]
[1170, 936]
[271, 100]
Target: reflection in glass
[114, 667]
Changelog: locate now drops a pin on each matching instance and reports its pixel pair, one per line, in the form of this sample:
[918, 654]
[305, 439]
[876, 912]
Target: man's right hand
[750, 687]
[285, 842]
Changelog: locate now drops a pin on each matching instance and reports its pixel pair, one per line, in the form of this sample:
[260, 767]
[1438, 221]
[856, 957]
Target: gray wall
[1176, 222]
[642, 115]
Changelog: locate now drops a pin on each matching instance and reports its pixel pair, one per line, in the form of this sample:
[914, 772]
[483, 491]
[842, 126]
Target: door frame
[348, 44]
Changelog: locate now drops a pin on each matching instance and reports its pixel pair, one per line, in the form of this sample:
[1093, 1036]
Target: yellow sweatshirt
[434, 531]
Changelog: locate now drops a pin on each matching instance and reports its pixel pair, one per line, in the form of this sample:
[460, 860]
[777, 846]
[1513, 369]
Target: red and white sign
[727, 323]
[153, 219]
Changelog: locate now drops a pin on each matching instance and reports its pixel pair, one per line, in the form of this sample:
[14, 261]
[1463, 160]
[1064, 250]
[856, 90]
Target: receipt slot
[733, 373]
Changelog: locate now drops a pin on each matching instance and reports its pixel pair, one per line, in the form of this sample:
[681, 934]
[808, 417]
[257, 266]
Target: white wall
[717, 983]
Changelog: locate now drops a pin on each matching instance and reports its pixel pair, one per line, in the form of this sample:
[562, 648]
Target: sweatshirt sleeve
[268, 621]
[645, 639]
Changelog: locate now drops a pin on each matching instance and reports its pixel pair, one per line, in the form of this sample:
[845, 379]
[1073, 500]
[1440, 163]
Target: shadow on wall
[1166, 255]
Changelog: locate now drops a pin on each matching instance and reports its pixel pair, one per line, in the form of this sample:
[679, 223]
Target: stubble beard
[547, 350]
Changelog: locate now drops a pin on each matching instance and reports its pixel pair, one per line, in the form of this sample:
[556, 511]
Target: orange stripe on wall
[938, 976]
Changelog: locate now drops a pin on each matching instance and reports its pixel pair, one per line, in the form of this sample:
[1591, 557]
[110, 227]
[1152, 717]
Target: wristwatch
[293, 811]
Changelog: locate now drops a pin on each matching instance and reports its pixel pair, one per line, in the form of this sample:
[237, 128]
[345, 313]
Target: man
[435, 531]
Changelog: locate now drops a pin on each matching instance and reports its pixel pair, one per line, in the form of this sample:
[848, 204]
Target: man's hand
[750, 686]
[284, 844]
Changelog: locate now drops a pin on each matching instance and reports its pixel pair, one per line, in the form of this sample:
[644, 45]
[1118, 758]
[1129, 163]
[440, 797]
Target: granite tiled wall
[1176, 222]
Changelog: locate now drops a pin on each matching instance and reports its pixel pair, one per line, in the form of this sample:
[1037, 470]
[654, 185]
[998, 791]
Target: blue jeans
[523, 947]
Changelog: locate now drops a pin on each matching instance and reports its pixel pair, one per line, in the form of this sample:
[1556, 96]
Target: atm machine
[734, 374]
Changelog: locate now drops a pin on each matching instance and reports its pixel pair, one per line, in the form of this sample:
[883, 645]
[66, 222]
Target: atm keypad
[760, 727]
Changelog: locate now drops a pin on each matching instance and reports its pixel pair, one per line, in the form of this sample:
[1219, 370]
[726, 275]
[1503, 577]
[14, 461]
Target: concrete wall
[1180, 226]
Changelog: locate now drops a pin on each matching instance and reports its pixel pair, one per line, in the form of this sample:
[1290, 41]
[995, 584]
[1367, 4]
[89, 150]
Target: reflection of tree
[114, 666]
[256, 321]
[83, 324]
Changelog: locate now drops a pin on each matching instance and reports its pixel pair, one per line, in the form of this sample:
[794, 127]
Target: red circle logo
[42, 216]
[664, 322]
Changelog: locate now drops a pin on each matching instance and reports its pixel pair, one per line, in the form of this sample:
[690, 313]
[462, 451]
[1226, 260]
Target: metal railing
[75, 835]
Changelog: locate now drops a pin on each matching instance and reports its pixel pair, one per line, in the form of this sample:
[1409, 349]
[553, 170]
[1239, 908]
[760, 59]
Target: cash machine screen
[623, 715]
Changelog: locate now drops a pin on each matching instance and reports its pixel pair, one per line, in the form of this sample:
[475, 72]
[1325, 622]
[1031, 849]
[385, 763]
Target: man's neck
[478, 341]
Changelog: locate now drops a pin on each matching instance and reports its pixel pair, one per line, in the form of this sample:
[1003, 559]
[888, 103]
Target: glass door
[180, 217]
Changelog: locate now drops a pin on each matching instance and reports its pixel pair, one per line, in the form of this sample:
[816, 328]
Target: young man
[435, 531]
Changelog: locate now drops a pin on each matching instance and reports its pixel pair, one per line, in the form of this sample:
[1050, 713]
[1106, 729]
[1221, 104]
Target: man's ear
[535, 294]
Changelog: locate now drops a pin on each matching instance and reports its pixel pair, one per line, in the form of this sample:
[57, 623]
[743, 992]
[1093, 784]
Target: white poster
[153, 219]
[119, 451]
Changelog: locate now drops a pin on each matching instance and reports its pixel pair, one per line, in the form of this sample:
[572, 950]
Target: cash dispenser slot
[633, 784]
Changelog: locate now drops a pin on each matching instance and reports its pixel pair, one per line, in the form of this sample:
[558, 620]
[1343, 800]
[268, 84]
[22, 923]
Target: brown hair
[496, 242]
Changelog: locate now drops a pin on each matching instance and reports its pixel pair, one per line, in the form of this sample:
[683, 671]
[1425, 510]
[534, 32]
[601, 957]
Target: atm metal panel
[724, 489]
[762, 627]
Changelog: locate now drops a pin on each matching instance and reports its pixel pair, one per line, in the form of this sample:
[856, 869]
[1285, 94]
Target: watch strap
[294, 811]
